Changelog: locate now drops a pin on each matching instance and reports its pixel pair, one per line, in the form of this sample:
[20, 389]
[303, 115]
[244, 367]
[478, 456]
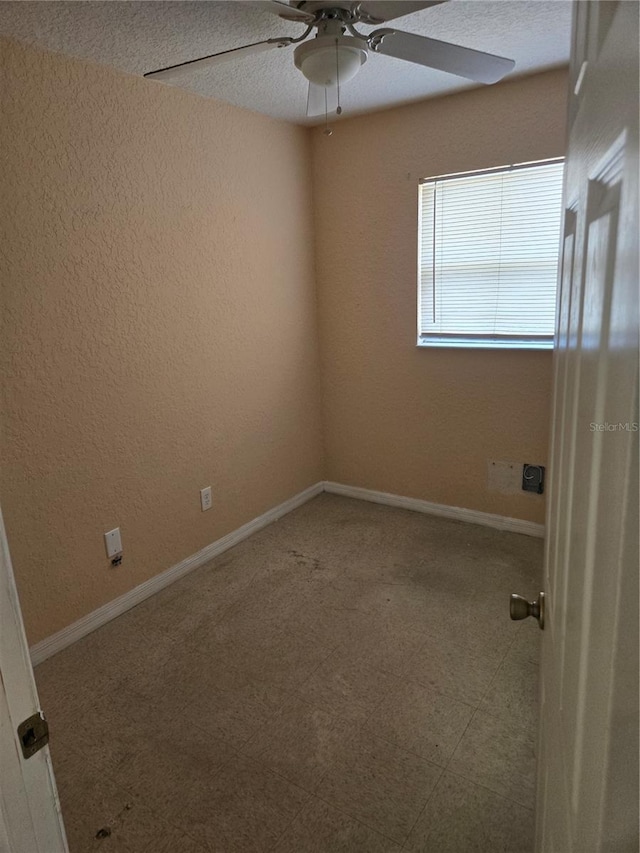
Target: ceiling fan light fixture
[326, 58]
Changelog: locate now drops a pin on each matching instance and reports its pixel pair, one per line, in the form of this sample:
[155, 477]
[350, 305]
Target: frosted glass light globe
[323, 61]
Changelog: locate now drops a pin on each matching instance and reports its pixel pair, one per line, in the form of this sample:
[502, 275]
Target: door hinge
[33, 734]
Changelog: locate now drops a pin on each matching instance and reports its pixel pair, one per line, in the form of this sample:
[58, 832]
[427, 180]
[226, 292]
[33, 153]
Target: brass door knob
[520, 608]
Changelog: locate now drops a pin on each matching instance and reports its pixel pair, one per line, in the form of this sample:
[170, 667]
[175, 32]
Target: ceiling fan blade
[284, 10]
[321, 100]
[172, 72]
[441, 55]
[377, 11]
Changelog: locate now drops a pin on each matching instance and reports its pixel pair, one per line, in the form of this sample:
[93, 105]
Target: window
[488, 247]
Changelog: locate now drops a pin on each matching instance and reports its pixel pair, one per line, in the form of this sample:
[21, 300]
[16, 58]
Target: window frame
[466, 341]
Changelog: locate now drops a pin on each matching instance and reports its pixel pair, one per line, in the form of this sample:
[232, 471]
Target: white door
[30, 820]
[588, 762]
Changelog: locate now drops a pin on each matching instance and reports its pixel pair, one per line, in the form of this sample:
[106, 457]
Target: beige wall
[159, 326]
[422, 422]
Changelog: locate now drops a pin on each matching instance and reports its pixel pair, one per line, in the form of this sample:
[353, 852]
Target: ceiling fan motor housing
[326, 59]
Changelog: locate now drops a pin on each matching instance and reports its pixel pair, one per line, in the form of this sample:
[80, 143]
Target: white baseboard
[56, 642]
[60, 640]
[473, 516]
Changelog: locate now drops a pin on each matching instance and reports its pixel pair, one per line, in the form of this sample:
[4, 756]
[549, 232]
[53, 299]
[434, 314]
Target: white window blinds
[488, 247]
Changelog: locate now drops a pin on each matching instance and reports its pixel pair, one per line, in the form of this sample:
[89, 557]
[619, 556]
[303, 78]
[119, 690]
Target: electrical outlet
[205, 498]
[113, 542]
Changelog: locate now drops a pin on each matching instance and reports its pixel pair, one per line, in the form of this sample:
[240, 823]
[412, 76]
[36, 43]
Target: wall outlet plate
[205, 498]
[113, 542]
[533, 478]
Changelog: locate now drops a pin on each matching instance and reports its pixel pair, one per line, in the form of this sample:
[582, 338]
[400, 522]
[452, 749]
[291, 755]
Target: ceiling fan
[339, 50]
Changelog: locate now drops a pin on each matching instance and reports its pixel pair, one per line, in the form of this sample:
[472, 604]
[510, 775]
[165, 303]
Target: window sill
[478, 343]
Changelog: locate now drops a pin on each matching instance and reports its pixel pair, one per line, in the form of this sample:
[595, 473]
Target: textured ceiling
[142, 36]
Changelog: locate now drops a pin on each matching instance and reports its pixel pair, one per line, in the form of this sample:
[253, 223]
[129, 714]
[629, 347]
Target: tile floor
[347, 679]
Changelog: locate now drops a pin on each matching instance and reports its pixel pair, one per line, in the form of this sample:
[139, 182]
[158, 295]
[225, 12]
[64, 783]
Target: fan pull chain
[339, 108]
[327, 130]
